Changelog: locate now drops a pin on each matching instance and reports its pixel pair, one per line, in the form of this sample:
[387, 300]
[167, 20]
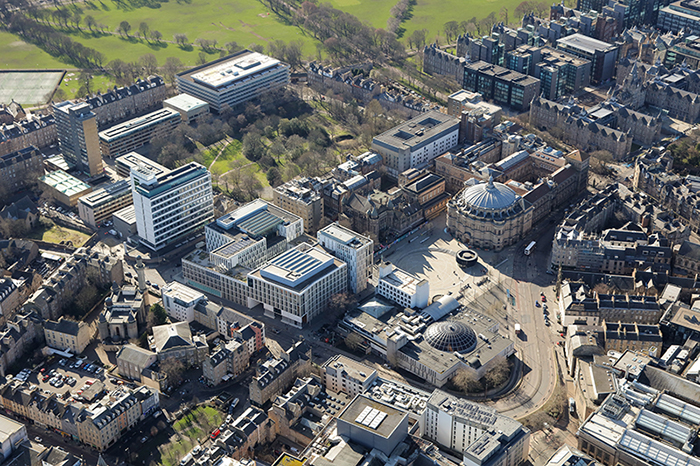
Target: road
[536, 345]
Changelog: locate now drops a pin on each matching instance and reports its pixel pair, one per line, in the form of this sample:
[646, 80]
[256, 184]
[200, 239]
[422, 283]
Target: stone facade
[35, 130]
[124, 103]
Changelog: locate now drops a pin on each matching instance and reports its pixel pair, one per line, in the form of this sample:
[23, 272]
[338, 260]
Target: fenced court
[28, 87]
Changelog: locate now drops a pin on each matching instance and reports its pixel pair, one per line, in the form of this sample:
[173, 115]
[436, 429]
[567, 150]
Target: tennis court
[28, 87]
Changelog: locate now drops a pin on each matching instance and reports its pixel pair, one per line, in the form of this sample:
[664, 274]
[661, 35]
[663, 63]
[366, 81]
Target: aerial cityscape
[448, 233]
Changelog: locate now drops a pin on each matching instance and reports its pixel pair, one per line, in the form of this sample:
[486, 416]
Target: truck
[572, 406]
[517, 329]
[530, 247]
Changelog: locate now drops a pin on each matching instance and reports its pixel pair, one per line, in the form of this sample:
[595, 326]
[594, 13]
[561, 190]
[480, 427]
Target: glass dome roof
[451, 336]
[490, 196]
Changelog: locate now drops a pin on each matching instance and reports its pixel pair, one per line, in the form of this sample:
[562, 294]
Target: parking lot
[83, 378]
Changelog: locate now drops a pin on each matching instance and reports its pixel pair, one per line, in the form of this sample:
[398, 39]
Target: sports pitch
[28, 87]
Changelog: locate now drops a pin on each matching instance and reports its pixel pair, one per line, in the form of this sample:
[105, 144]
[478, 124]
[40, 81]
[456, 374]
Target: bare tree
[173, 369]
[499, 373]
[149, 63]
[353, 341]
[143, 30]
[466, 381]
[180, 39]
[124, 28]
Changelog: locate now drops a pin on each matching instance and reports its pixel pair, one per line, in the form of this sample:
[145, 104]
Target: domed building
[489, 216]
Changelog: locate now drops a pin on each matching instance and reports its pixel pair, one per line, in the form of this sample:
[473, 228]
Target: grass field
[28, 87]
[100, 83]
[374, 12]
[17, 54]
[433, 14]
[242, 21]
[57, 233]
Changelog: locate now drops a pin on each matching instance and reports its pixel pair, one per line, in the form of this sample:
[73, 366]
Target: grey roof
[172, 336]
[490, 196]
[135, 355]
[69, 327]
[451, 336]
[690, 250]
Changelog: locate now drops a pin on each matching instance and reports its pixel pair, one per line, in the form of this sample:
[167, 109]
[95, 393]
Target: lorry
[530, 247]
[517, 329]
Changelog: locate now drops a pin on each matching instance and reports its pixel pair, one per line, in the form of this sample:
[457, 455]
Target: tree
[180, 39]
[418, 38]
[339, 304]
[76, 19]
[559, 280]
[171, 67]
[499, 373]
[354, 341]
[451, 29]
[250, 185]
[201, 58]
[232, 47]
[466, 381]
[143, 30]
[159, 315]
[124, 28]
[293, 53]
[504, 15]
[156, 36]
[274, 177]
[90, 22]
[252, 147]
[149, 63]
[85, 89]
[173, 369]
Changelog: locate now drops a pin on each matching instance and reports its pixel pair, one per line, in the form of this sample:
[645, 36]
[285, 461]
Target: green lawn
[57, 233]
[374, 12]
[17, 54]
[231, 153]
[433, 14]
[100, 83]
[242, 21]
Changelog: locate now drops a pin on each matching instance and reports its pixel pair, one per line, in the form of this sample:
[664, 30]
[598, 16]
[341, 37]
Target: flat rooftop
[186, 295]
[126, 215]
[172, 178]
[372, 415]
[296, 266]
[65, 183]
[107, 194]
[420, 130]
[253, 216]
[342, 235]
[503, 74]
[138, 124]
[239, 67]
[185, 102]
[8, 427]
[403, 280]
[355, 370]
[134, 159]
[584, 43]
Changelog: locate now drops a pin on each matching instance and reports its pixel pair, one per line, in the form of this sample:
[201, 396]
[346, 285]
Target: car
[128, 274]
[144, 439]
[37, 439]
[148, 282]
[45, 378]
[196, 450]
[544, 306]
[537, 304]
[44, 369]
[229, 419]
[98, 371]
[544, 299]
[89, 382]
[547, 323]
[155, 286]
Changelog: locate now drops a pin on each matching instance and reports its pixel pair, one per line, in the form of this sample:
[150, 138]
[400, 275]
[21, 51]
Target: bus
[530, 247]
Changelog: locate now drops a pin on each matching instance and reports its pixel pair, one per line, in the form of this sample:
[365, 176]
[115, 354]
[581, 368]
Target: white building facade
[402, 287]
[353, 249]
[179, 301]
[171, 205]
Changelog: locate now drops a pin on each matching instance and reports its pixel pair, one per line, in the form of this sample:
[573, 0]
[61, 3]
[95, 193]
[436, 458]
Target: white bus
[530, 247]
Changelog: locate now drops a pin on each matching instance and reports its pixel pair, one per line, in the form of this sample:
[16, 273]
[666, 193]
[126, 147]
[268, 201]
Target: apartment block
[603, 56]
[301, 197]
[478, 433]
[130, 135]
[78, 137]
[67, 335]
[415, 143]
[18, 169]
[678, 16]
[229, 359]
[171, 205]
[34, 130]
[19, 334]
[353, 249]
[345, 375]
[123, 103]
[233, 80]
[275, 376]
[403, 288]
[503, 86]
[98, 206]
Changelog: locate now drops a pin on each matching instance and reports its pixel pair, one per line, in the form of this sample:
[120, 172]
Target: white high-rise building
[170, 204]
[483, 436]
[353, 249]
[179, 301]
